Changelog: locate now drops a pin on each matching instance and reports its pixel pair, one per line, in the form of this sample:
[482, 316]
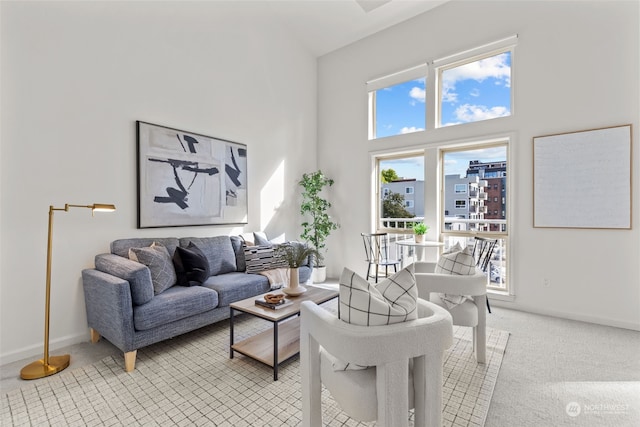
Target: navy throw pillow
[192, 267]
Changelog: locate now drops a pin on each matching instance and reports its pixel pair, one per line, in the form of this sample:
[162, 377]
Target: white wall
[576, 67]
[75, 78]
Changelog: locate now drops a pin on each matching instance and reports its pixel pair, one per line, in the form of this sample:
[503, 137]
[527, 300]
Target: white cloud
[493, 67]
[410, 129]
[473, 113]
[417, 94]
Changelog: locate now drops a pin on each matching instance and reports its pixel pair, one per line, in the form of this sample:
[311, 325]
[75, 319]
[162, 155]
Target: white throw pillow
[393, 300]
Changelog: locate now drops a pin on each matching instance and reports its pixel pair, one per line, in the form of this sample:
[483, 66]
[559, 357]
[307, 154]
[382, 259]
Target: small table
[420, 246]
[273, 348]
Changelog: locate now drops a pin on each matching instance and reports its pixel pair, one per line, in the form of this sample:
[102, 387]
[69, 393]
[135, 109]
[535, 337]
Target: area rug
[190, 381]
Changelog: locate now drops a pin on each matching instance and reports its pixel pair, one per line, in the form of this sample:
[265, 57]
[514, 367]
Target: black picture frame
[189, 179]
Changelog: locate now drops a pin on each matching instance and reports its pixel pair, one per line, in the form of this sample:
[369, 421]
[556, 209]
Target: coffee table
[274, 347]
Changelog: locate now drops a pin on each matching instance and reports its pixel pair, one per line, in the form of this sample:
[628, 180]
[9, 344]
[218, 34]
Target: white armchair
[389, 388]
[470, 313]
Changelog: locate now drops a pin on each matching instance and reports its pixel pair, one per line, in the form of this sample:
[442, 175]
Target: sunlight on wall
[272, 196]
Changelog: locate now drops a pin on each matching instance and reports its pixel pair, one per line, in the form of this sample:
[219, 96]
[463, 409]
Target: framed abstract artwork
[187, 179]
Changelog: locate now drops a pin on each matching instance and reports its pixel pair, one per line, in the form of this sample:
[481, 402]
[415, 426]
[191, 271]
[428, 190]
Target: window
[397, 103]
[393, 210]
[469, 86]
[460, 188]
[476, 164]
[475, 90]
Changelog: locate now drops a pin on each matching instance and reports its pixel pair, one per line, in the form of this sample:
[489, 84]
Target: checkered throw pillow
[456, 261]
[393, 300]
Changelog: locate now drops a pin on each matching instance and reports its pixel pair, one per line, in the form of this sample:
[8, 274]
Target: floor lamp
[54, 364]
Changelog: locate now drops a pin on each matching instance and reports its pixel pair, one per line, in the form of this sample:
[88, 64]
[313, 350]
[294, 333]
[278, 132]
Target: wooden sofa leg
[130, 360]
[95, 335]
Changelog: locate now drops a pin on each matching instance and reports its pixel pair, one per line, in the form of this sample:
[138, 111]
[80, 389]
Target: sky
[471, 92]
[475, 91]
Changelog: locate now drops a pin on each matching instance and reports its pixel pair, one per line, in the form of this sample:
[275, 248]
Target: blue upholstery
[218, 250]
[232, 287]
[138, 275]
[122, 307]
[175, 303]
[121, 247]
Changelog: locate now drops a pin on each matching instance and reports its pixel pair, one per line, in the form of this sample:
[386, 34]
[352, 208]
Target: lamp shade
[101, 207]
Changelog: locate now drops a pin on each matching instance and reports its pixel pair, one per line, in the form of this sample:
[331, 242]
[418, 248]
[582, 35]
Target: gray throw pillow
[157, 258]
[260, 238]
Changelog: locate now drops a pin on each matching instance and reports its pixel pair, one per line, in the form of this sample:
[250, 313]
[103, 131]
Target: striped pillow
[261, 258]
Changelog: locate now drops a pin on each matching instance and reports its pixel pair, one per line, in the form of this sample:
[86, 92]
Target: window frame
[419, 71]
[465, 57]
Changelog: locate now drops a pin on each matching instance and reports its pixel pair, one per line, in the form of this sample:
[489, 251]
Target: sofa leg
[130, 360]
[95, 335]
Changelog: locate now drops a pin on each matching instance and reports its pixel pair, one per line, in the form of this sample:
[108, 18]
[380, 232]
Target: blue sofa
[123, 308]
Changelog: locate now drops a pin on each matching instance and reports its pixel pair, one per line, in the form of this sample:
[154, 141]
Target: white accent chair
[470, 313]
[389, 388]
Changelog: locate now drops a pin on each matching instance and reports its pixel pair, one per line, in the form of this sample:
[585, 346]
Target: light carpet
[190, 381]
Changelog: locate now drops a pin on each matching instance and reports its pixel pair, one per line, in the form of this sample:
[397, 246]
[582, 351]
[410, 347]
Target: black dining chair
[376, 246]
[482, 252]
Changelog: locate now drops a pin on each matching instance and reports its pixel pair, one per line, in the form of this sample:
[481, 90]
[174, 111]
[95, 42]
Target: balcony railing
[456, 230]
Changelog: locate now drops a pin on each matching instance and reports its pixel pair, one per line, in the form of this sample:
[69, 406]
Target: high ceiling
[327, 25]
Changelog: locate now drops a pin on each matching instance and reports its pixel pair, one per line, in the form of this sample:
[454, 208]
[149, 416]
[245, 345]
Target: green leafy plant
[420, 228]
[295, 253]
[320, 225]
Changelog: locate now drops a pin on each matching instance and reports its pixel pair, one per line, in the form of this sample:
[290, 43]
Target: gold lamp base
[38, 369]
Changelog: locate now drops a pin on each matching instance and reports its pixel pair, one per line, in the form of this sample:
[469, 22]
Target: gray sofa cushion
[138, 275]
[218, 250]
[174, 304]
[121, 247]
[232, 287]
[238, 248]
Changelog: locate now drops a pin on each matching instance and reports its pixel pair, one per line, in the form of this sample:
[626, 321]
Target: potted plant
[420, 229]
[320, 225]
[294, 254]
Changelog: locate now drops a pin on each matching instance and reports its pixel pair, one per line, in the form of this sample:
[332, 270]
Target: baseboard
[564, 315]
[36, 351]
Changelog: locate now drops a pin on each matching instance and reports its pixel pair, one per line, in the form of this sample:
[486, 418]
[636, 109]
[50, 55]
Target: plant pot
[294, 287]
[419, 238]
[319, 274]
